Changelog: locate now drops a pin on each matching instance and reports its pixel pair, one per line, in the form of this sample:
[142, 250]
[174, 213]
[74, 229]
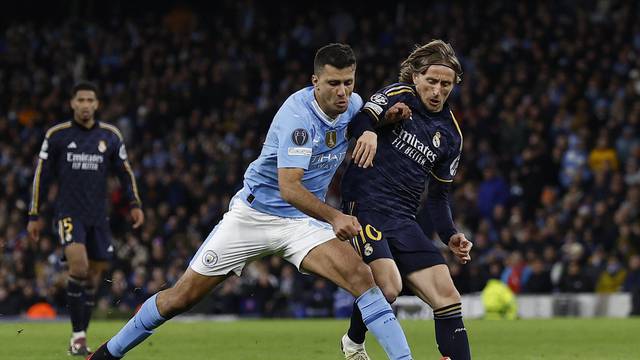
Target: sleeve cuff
[360, 124]
[448, 235]
[135, 204]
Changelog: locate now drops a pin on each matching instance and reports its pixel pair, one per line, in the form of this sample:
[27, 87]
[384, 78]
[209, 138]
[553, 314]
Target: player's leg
[239, 236]
[72, 234]
[387, 277]
[337, 261]
[100, 252]
[372, 245]
[188, 291]
[97, 269]
[435, 287]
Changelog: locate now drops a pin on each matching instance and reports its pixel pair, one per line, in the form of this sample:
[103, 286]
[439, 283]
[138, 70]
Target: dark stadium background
[548, 187]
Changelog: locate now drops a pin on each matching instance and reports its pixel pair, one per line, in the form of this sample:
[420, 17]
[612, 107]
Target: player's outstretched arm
[293, 192]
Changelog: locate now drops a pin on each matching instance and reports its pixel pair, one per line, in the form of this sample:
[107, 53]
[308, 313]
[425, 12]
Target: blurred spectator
[603, 157]
[516, 272]
[499, 301]
[493, 191]
[574, 281]
[612, 278]
[539, 282]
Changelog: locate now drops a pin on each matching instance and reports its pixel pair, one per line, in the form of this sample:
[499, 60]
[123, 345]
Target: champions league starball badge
[299, 136]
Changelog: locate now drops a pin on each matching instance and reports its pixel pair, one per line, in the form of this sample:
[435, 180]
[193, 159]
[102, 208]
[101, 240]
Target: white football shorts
[245, 234]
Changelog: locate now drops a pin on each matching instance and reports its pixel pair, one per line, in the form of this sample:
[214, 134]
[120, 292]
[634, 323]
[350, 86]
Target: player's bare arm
[293, 192]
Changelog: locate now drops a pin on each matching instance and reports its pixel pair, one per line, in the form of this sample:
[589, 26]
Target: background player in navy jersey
[79, 153]
[423, 149]
[281, 210]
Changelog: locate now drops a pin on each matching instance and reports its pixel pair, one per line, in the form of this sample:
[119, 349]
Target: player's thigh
[242, 235]
[434, 286]
[371, 243]
[337, 261]
[72, 233]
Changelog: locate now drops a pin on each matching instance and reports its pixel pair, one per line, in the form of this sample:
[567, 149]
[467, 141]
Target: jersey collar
[322, 115]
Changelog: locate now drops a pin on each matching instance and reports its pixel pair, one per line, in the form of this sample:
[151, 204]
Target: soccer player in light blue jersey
[281, 210]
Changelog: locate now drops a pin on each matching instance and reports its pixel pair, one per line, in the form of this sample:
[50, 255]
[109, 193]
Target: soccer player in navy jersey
[423, 149]
[281, 210]
[80, 153]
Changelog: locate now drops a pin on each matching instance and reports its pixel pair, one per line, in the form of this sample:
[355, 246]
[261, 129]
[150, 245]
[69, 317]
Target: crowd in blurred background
[548, 187]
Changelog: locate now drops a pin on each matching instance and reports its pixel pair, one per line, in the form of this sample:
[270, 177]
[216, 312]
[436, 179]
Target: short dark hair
[337, 55]
[84, 85]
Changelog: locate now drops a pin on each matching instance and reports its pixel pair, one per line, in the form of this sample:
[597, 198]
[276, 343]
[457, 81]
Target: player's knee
[450, 295]
[391, 292]
[361, 278]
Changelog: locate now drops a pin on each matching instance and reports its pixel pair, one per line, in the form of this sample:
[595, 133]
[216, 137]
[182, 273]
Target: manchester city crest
[102, 146]
[436, 139]
[210, 258]
[331, 138]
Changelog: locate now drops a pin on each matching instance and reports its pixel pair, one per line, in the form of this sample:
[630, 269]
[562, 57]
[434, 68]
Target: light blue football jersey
[300, 136]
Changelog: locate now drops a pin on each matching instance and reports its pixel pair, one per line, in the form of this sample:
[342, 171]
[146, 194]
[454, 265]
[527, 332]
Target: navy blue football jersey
[80, 159]
[409, 153]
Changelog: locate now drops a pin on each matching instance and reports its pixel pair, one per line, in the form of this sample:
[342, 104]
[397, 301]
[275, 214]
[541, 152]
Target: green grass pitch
[318, 339]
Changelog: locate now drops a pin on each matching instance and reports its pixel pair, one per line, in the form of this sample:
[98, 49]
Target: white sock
[77, 335]
[350, 344]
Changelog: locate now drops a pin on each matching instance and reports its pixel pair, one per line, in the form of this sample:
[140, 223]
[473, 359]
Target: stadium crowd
[548, 188]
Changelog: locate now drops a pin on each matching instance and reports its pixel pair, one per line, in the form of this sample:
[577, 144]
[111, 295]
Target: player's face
[333, 87]
[434, 86]
[84, 105]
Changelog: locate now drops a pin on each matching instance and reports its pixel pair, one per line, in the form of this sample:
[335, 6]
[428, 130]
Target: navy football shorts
[96, 238]
[401, 239]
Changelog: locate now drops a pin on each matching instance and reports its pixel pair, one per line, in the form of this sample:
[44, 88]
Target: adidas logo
[72, 145]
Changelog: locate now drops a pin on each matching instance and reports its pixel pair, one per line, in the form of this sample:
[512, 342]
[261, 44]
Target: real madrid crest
[368, 249]
[331, 138]
[436, 139]
[102, 146]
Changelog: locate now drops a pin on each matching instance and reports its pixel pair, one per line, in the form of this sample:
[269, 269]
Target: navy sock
[89, 303]
[75, 302]
[357, 328]
[451, 335]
